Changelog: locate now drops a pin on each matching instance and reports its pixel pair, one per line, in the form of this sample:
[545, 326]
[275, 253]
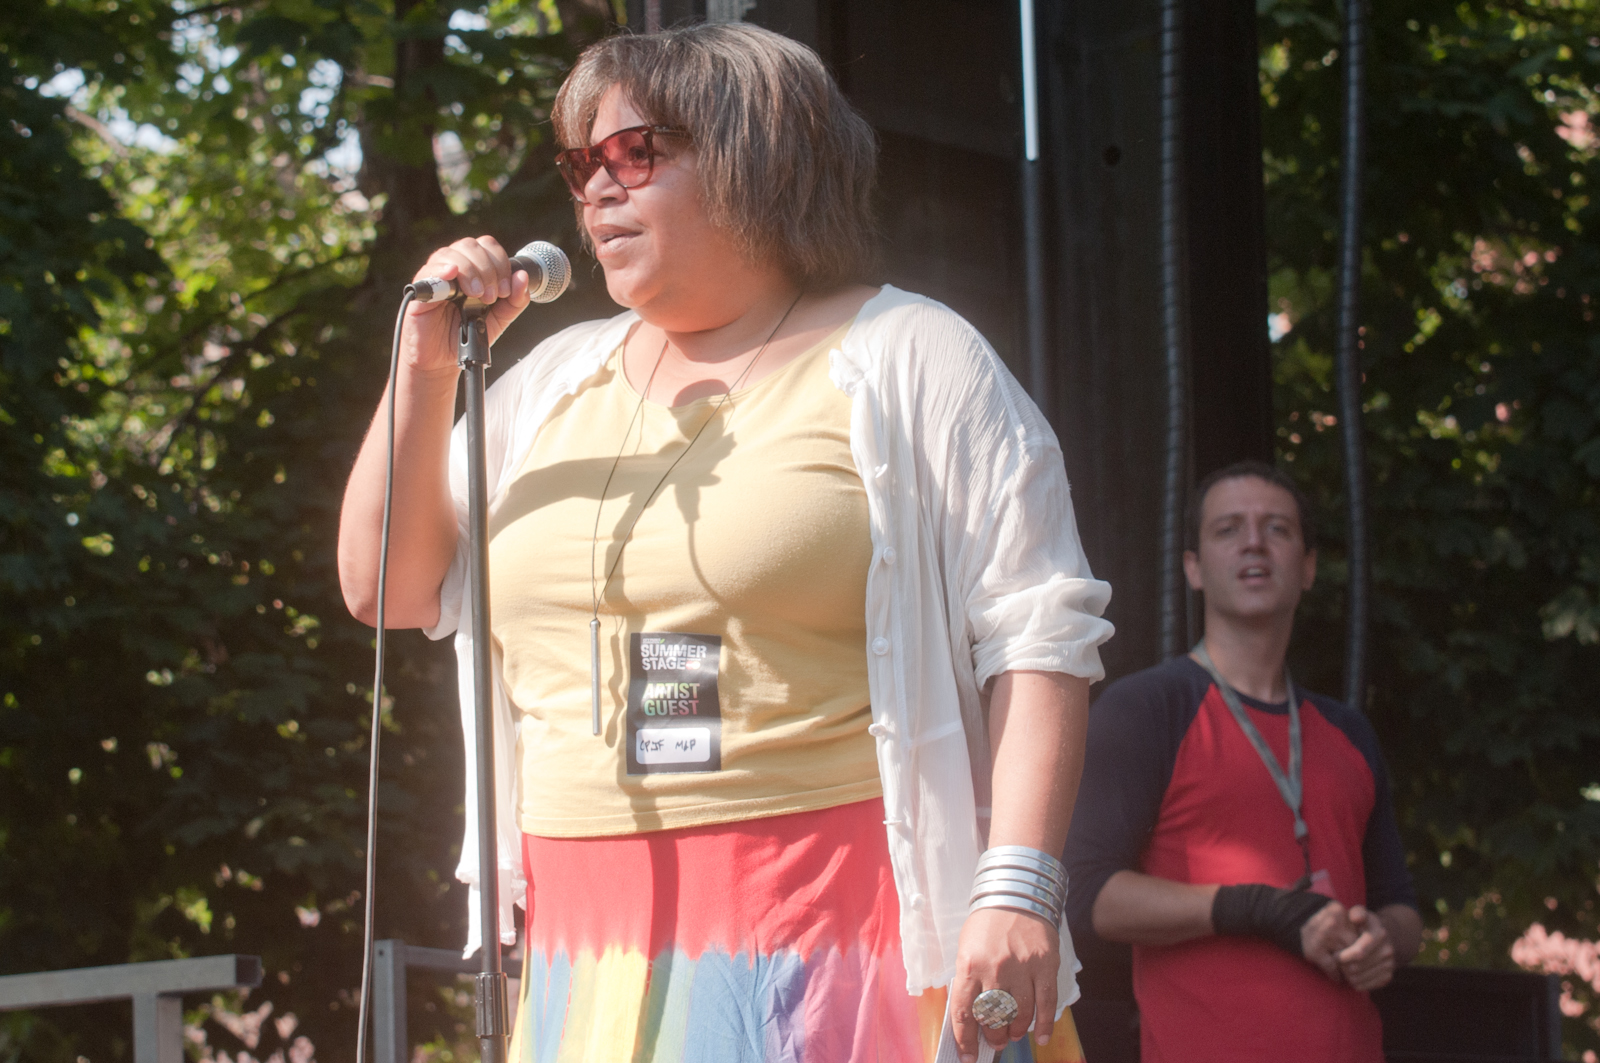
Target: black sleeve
[1135, 728]
[1383, 857]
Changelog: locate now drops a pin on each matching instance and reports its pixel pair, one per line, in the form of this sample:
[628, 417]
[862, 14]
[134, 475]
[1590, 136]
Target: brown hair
[1261, 471]
[786, 163]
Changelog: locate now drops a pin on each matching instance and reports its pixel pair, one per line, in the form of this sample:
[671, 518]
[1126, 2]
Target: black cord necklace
[598, 593]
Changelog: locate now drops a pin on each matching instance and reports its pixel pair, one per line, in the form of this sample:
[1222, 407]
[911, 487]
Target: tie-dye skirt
[767, 941]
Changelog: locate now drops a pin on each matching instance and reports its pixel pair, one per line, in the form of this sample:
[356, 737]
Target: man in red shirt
[1263, 887]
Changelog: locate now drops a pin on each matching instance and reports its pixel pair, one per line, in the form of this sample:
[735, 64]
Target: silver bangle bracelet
[1042, 890]
[1028, 851]
[1020, 882]
[1017, 904]
[1024, 873]
[1021, 857]
[1011, 874]
[1043, 898]
[1023, 865]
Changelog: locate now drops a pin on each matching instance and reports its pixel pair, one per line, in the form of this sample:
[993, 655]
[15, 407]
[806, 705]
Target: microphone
[546, 265]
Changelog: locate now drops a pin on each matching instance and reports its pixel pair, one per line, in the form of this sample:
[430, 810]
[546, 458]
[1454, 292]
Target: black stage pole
[1033, 221]
[490, 998]
[1349, 356]
[1174, 335]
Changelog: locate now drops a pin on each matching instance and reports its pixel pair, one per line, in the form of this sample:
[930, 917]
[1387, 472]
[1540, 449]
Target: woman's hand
[483, 270]
[1011, 951]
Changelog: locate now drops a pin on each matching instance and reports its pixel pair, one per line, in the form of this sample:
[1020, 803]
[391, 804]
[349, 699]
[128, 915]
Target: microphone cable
[555, 273]
[364, 1007]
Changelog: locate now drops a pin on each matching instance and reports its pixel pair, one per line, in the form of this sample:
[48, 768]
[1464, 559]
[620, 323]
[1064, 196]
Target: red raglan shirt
[1173, 788]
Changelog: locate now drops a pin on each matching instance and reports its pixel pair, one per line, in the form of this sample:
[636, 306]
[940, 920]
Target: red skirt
[766, 941]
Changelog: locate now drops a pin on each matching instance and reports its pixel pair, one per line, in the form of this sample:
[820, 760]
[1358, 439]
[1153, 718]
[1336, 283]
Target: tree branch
[99, 129]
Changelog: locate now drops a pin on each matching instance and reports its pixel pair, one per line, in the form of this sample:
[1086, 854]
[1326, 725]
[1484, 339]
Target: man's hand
[1326, 936]
[1367, 963]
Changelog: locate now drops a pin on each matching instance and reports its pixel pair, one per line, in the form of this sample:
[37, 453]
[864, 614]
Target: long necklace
[598, 593]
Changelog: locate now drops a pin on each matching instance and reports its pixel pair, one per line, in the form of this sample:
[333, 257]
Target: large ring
[994, 1008]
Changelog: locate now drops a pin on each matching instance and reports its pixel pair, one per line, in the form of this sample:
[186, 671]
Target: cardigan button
[888, 555]
[880, 645]
[918, 902]
[877, 730]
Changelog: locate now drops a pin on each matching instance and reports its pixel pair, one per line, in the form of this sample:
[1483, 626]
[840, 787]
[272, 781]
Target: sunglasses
[628, 155]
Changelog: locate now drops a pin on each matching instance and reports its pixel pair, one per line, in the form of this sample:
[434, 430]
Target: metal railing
[156, 989]
[391, 959]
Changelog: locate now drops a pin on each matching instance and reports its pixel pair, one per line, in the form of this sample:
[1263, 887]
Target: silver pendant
[594, 673]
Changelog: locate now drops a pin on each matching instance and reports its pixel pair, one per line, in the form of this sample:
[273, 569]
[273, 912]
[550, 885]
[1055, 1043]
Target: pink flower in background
[249, 1027]
[1577, 130]
[1558, 954]
[1539, 950]
[245, 1025]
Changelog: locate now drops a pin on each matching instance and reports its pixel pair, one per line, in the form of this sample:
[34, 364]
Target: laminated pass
[674, 713]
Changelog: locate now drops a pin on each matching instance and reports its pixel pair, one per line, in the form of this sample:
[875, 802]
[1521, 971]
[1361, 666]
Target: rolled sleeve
[1036, 606]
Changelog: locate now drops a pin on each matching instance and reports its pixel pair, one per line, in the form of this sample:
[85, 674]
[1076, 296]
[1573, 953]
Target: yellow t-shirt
[733, 632]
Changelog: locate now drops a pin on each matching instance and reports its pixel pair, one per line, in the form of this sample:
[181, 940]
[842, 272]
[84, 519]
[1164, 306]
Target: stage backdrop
[941, 82]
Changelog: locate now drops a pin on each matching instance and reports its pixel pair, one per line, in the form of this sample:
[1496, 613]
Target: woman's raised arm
[423, 529]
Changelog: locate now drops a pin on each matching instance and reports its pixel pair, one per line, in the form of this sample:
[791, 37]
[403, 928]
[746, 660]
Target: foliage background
[205, 212]
[1482, 400]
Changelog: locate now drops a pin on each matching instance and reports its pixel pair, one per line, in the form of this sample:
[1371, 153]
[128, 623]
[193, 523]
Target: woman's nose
[602, 187]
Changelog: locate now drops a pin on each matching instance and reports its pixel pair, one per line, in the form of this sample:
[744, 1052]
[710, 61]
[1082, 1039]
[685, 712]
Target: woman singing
[845, 626]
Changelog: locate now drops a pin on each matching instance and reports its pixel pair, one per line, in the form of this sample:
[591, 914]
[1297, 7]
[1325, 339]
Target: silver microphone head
[556, 270]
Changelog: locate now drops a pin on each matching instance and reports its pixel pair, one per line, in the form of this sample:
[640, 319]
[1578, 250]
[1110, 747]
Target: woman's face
[661, 254]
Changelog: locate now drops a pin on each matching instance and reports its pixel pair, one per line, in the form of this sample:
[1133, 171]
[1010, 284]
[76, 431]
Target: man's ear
[1191, 569]
[1308, 570]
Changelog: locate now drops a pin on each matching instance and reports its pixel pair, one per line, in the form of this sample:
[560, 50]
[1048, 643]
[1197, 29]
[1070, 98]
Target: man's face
[1252, 563]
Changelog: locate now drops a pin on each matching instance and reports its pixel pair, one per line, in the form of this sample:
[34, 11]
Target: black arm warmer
[1266, 912]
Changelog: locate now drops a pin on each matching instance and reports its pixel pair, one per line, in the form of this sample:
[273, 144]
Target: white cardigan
[976, 569]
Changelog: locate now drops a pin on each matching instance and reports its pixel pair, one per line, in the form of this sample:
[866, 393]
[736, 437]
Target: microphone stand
[490, 996]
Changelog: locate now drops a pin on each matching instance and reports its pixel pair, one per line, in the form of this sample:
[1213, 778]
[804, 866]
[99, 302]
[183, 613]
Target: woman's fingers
[968, 1030]
[506, 310]
[479, 266]
[1019, 1026]
[962, 991]
[480, 269]
[483, 264]
[1044, 1007]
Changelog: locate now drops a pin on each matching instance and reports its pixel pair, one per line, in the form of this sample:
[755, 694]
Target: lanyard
[1289, 785]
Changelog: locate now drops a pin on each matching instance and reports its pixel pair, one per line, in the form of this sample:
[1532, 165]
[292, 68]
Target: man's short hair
[1238, 471]
[787, 165]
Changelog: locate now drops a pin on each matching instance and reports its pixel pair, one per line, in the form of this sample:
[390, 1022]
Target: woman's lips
[609, 240]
